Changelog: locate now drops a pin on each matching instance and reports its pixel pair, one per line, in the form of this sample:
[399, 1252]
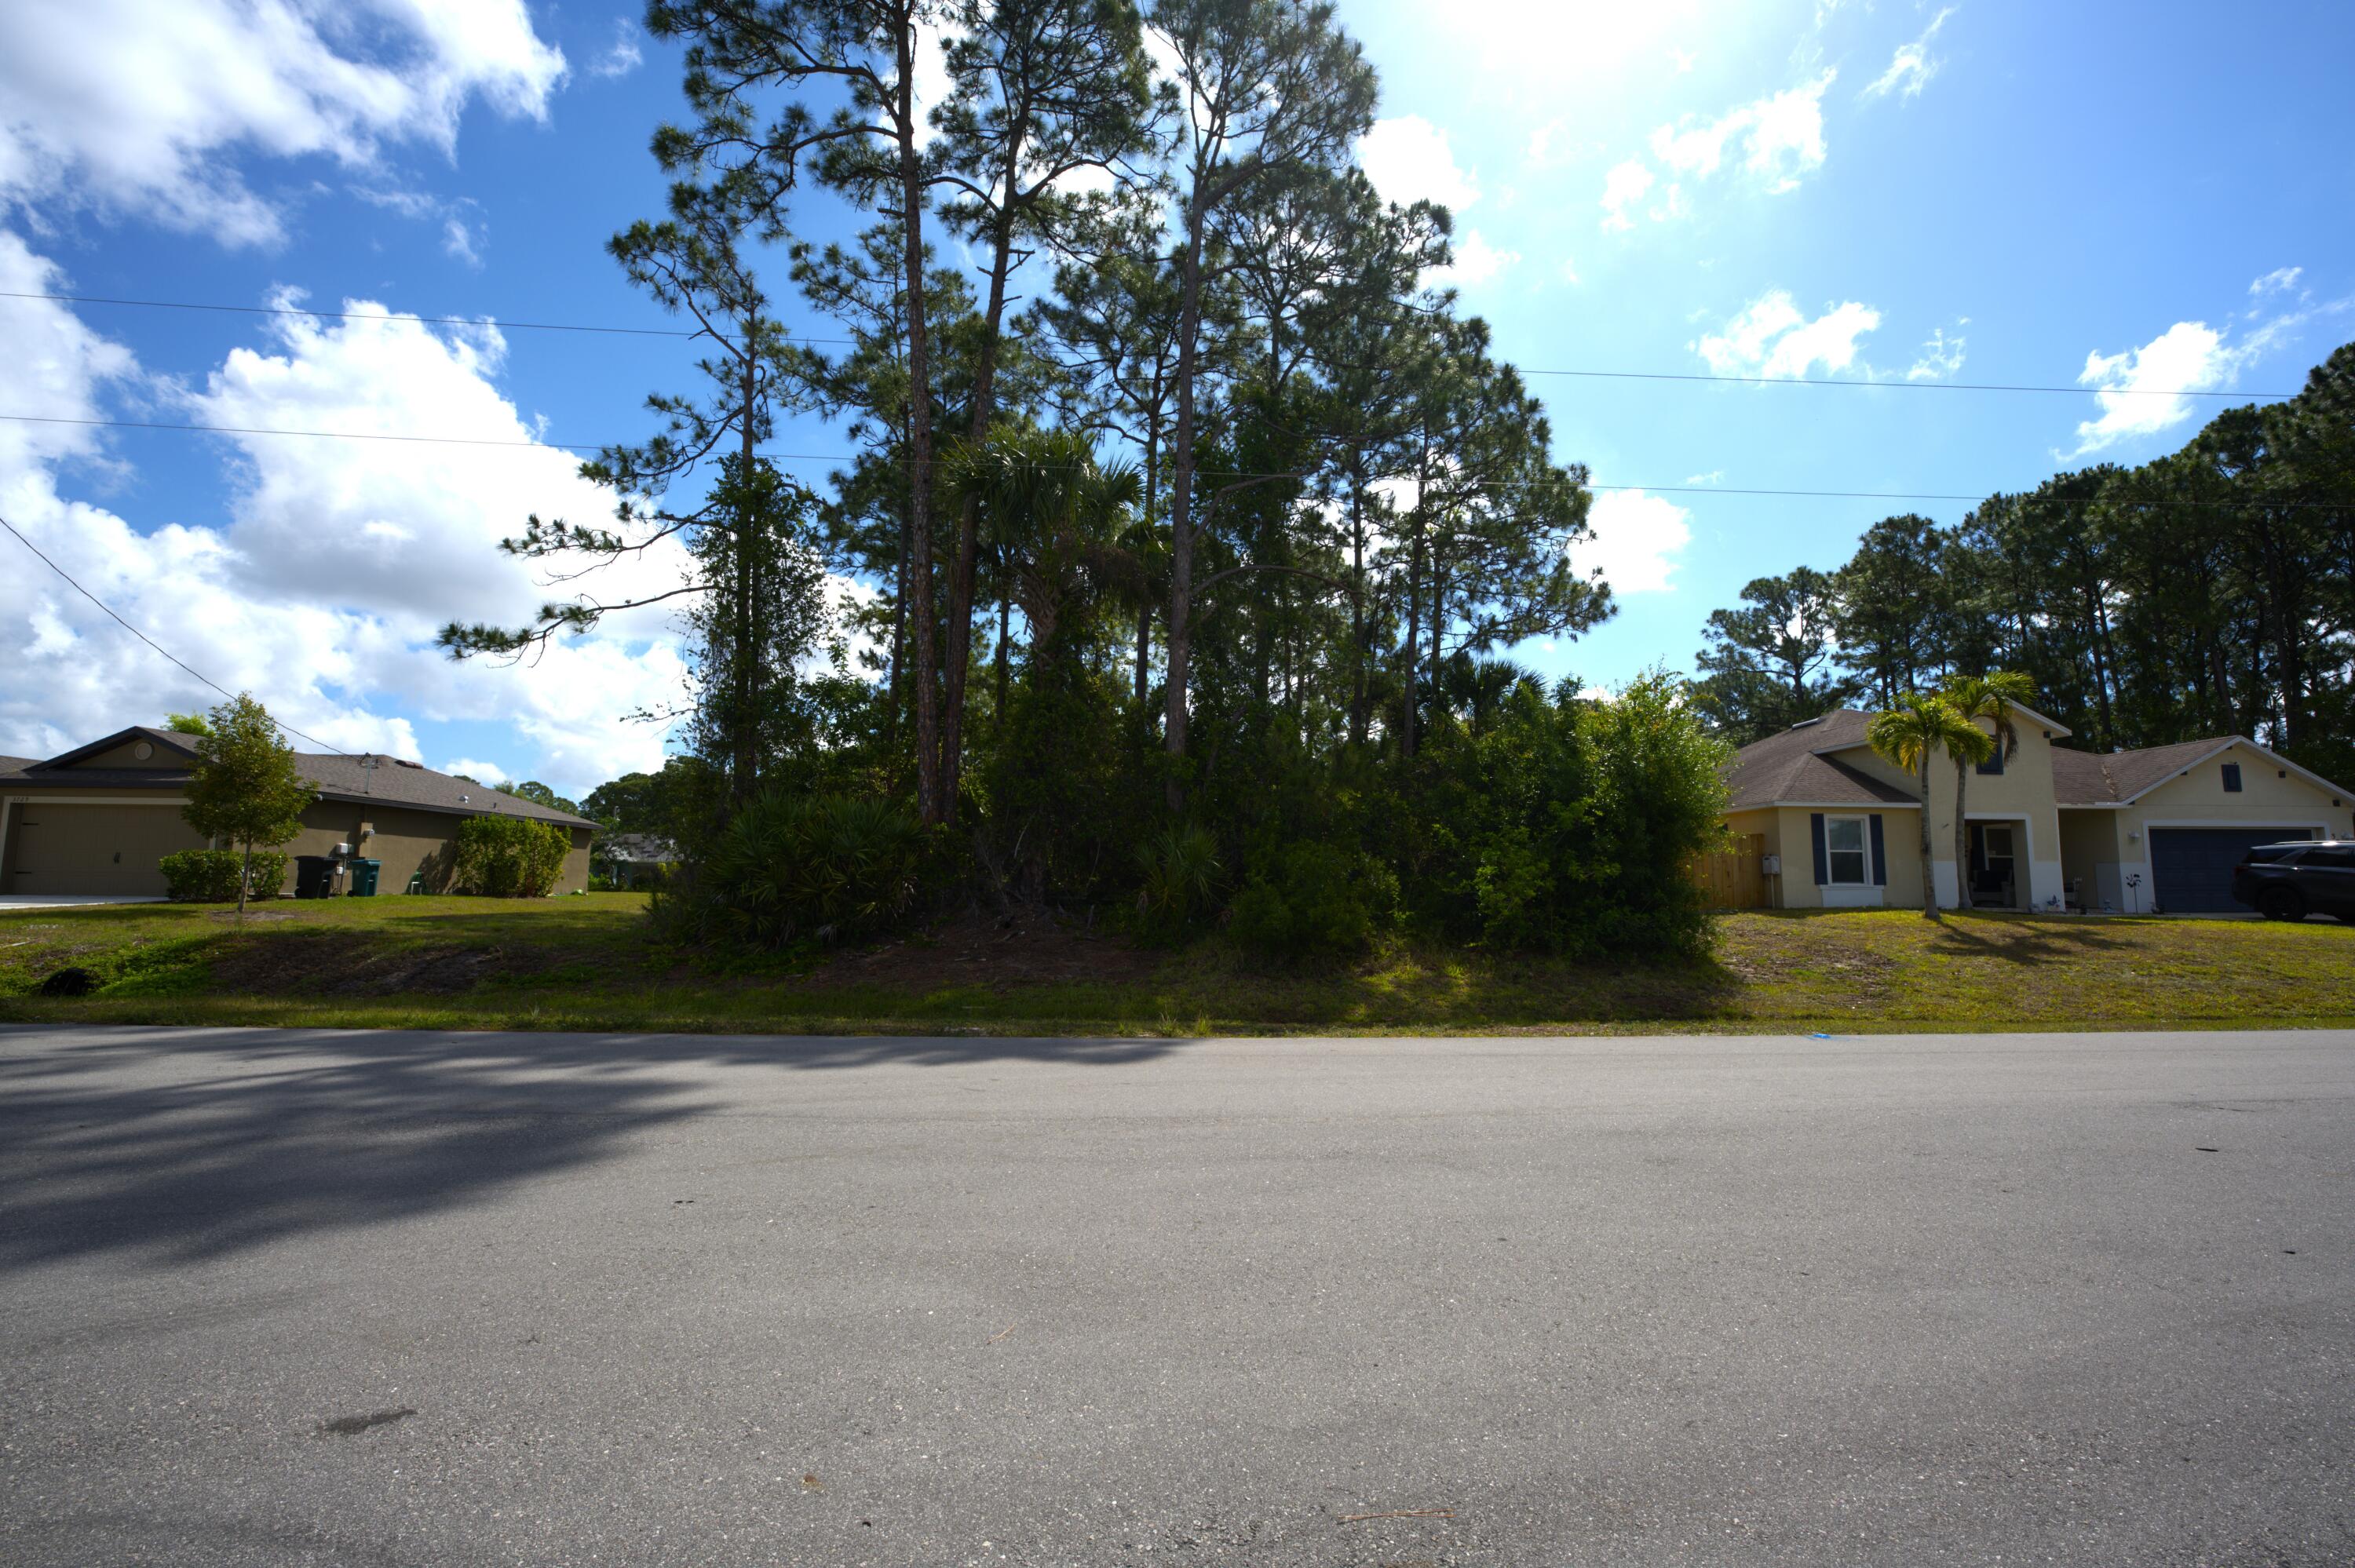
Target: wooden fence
[1734, 877]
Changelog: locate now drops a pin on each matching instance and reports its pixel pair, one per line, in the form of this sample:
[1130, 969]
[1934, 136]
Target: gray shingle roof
[1786, 767]
[395, 782]
[2084, 779]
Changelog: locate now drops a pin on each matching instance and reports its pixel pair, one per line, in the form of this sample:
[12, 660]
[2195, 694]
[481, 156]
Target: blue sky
[2146, 194]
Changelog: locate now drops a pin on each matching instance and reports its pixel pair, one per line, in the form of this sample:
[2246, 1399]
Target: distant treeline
[2209, 591]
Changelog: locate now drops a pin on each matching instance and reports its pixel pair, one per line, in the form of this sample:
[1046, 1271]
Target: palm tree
[1908, 736]
[1989, 697]
[1057, 514]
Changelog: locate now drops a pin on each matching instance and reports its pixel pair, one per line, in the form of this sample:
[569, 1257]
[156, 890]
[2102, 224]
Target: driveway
[74, 900]
[393, 1299]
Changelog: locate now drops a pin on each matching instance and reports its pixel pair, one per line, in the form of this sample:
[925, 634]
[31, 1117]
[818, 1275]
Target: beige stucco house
[94, 822]
[2131, 832]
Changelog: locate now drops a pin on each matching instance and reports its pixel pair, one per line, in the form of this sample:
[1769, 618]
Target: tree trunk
[1358, 613]
[1962, 839]
[1929, 882]
[746, 746]
[244, 878]
[985, 383]
[1413, 637]
[1145, 599]
[1180, 632]
[1004, 613]
[928, 806]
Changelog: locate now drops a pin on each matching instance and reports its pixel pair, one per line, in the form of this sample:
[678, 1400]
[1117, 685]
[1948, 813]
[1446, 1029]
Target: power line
[350, 315]
[1203, 473]
[2074, 391]
[1902, 386]
[151, 642]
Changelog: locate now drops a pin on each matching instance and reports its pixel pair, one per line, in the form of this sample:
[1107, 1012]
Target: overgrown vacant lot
[590, 963]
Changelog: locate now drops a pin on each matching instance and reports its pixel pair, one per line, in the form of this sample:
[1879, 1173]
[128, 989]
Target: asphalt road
[2056, 1299]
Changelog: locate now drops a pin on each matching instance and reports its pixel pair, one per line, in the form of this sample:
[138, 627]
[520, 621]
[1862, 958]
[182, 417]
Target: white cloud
[1475, 261]
[1622, 188]
[1786, 138]
[2280, 281]
[624, 57]
[127, 106]
[1773, 337]
[1681, 61]
[1637, 535]
[1780, 139]
[1941, 355]
[474, 768]
[2187, 356]
[1408, 160]
[1713, 476]
[1567, 270]
[338, 561]
[1911, 68]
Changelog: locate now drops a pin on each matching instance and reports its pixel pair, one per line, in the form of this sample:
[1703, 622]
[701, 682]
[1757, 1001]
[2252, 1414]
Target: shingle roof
[400, 783]
[14, 765]
[338, 777]
[2086, 778]
[647, 849]
[1786, 767]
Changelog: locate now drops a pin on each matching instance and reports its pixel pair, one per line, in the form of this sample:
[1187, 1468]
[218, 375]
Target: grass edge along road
[590, 963]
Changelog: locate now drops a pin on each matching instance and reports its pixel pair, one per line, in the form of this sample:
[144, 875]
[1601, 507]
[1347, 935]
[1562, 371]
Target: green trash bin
[364, 873]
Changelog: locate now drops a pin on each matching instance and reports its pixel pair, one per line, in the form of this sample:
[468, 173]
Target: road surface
[418, 1299]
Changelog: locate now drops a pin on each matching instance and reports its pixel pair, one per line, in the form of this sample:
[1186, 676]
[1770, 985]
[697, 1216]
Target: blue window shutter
[1823, 857]
[1880, 854]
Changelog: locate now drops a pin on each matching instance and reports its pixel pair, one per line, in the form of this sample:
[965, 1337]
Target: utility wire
[151, 642]
[847, 458]
[2075, 391]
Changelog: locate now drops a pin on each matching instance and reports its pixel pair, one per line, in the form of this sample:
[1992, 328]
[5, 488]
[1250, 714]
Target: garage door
[2193, 867]
[94, 849]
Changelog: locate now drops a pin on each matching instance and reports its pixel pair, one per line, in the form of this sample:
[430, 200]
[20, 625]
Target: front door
[1994, 861]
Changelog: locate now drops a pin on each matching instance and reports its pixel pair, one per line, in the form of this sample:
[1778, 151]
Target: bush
[510, 857]
[1565, 825]
[210, 877]
[802, 868]
[1179, 867]
[1323, 901]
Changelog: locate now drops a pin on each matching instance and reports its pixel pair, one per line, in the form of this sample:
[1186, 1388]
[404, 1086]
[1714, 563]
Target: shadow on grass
[2015, 939]
[188, 1145]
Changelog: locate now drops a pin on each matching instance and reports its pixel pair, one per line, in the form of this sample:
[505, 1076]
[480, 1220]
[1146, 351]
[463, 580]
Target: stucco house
[1835, 826]
[94, 821]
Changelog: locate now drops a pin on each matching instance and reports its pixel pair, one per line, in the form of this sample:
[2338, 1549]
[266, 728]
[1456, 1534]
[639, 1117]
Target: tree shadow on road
[193, 1145]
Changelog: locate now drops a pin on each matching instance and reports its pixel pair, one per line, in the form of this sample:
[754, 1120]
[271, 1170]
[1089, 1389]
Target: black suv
[2291, 881]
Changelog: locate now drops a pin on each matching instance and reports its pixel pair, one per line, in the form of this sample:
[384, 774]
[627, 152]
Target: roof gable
[1797, 767]
[165, 739]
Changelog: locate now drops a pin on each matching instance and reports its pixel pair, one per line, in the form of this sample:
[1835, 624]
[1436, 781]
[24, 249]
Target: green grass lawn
[590, 963]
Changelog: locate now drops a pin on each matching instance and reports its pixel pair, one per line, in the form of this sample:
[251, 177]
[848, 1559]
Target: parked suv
[2291, 881]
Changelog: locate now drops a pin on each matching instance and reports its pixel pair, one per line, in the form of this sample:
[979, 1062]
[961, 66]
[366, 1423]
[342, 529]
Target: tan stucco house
[95, 820]
[2158, 829]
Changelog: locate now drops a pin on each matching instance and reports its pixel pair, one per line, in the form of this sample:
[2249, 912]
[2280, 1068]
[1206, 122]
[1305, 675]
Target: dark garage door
[2193, 866]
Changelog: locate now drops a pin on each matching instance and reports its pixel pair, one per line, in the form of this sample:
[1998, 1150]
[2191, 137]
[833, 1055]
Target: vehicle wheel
[2281, 904]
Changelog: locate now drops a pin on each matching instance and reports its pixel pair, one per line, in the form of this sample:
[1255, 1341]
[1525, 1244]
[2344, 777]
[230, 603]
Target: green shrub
[1563, 827]
[1179, 869]
[805, 868]
[1323, 901]
[211, 876]
[510, 857]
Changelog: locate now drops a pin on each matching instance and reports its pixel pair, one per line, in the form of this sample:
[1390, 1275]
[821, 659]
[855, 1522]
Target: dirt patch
[980, 947]
[350, 964]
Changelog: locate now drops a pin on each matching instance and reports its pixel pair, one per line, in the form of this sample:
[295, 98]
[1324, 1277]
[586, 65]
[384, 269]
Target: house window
[1845, 854]
[1993, 764]
[2232, 778]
